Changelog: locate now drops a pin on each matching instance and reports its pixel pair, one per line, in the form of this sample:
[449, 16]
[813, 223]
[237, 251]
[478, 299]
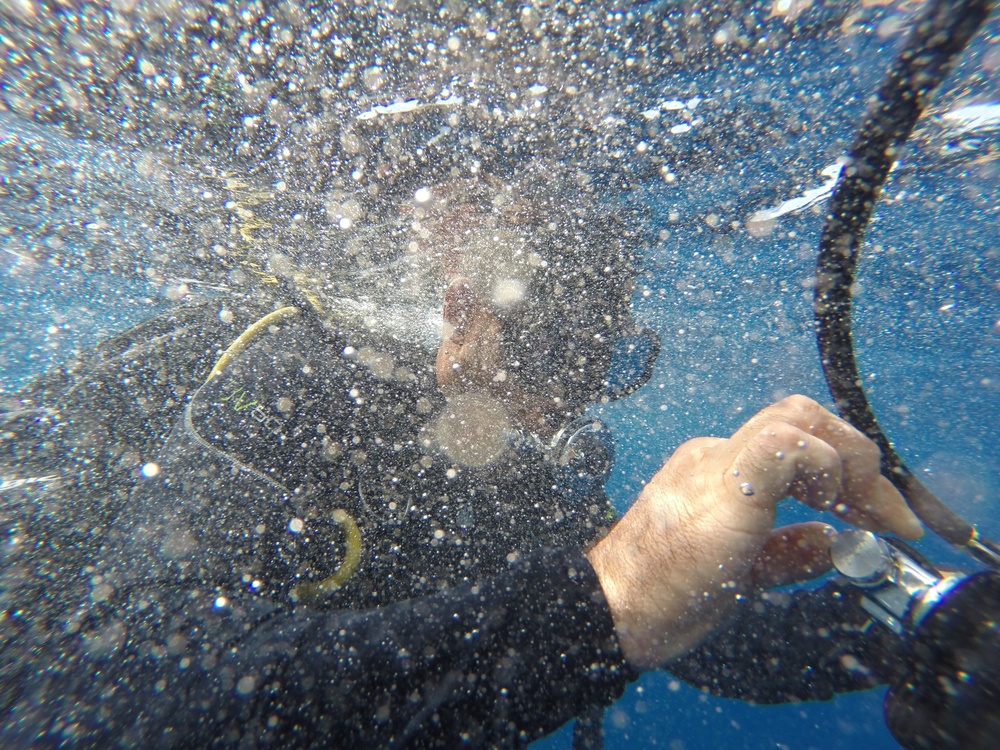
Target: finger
[793, 554]
[782, 461]
[872, 499]
[785, 461]
[889, 508]
[881, 510]
[795, 410]
[866, 498]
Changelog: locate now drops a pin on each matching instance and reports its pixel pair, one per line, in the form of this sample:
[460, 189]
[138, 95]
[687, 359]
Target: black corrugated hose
[935, 42]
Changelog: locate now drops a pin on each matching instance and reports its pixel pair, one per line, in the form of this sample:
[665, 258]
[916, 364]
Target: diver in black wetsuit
[242, 524]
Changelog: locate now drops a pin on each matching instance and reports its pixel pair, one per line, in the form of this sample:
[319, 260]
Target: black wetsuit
[169, 552]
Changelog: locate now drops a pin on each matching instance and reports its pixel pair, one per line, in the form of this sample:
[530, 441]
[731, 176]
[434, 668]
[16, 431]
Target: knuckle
[799, 404]
[859, 450]
[696, 447]
[777, 435]
[868, 455]
[762, 450]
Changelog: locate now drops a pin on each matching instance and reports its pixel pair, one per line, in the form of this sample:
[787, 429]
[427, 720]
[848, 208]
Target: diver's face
[442, 220]
[471, 360]
[488, 264]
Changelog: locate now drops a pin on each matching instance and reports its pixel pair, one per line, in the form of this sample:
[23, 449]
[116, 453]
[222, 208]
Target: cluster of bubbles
[210, 146]
[321, 110]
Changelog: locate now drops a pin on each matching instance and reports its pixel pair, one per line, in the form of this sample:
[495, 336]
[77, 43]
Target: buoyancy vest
[316, 468]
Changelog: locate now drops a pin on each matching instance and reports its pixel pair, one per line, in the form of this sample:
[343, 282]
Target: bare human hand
[702, 531]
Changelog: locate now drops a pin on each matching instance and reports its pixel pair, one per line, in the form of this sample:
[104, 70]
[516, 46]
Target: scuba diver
[250, 522]
[254, 523]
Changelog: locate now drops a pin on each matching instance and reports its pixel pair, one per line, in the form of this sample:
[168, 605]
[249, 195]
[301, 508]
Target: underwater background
[730, 297]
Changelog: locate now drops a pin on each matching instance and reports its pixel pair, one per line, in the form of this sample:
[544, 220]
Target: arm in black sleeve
[785, 647]
[173, 626]
[502, 662]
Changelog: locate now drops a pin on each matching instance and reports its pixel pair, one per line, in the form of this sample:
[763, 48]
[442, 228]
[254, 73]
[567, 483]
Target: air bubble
[747, 489]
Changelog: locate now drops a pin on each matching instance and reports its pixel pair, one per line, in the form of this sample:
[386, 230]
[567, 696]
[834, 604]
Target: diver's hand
[702, 532]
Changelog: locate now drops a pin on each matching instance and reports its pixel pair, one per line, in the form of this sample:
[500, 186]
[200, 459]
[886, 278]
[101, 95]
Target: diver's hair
[561, 341]
[435, 144]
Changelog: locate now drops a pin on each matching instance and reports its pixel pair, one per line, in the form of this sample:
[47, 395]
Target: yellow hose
[352, 557]
[247, 337]
[352, 534]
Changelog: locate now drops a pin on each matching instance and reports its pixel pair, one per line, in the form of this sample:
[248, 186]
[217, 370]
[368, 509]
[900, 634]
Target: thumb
[793, 554]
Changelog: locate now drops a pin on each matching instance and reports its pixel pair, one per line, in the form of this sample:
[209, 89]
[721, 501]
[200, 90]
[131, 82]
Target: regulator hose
[935, 42]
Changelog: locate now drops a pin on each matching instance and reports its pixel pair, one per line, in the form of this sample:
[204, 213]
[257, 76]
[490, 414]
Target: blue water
[47, 315]
[734, 313]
